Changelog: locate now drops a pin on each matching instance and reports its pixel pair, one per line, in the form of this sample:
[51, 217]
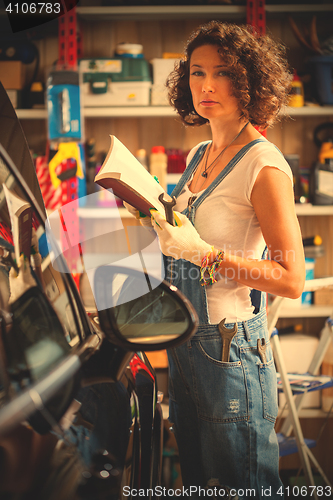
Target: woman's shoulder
[265, 151]
[266, 154]
[263, 146]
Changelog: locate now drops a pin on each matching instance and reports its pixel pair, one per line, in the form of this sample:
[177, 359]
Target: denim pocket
[220, 388]
[267, 375]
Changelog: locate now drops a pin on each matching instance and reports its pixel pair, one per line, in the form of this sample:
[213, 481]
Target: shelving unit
[115, 117]
[156, 111]
[164, 28]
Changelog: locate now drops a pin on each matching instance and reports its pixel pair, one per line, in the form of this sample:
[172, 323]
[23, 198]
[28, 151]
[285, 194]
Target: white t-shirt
[227, 220]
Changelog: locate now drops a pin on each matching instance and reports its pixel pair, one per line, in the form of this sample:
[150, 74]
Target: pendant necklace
[211, 165]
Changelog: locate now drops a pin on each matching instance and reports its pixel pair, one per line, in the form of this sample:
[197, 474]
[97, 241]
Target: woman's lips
[208, 103]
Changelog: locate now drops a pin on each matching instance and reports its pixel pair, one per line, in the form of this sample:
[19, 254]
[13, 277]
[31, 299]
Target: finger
[183, 219]
[12, 273]
[20, 263]
[132, 210]
[177, 219]
[158, 219]
[154, 223]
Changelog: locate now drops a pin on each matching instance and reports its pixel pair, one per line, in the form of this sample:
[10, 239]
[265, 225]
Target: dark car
[80, 416]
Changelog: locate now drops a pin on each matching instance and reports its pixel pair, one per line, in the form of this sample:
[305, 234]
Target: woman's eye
[224, 73]
[197, 73]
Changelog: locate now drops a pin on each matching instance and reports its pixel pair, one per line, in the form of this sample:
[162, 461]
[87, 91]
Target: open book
[129, 180]
[20, 213]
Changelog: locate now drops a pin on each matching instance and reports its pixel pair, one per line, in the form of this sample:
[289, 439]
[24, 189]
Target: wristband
[210, 269]
[37, 258]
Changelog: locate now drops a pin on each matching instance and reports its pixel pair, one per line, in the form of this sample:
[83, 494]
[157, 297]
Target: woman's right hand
[144, 221]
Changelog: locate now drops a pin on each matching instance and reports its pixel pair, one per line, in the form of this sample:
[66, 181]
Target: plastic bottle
[297, 93]
[158, 164]
[141, 156]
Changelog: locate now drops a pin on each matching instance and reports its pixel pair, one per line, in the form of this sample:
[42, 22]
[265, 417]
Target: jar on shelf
[296, 99]
[158, 164]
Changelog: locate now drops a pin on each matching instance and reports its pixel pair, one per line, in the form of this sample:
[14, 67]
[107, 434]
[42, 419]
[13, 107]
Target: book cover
[20, 213]
[129, 180]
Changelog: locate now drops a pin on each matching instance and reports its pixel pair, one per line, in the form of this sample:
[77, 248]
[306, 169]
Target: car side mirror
[139, 312]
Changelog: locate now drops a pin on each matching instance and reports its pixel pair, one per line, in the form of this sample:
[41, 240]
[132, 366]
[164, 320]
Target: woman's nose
[208, 85]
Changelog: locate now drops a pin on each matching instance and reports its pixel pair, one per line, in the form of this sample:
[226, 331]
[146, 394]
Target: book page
[129, 180]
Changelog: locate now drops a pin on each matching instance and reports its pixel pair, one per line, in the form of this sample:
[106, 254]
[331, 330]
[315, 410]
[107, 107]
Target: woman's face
[210, 85]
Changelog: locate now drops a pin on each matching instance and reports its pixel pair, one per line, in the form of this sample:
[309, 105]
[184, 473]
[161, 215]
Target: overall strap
[190, 169]
[231, 165]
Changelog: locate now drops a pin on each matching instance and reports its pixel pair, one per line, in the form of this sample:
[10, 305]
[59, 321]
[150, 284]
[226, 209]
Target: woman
[234, 199]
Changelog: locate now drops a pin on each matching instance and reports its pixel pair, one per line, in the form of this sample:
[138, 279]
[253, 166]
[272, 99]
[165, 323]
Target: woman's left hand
[181, 241]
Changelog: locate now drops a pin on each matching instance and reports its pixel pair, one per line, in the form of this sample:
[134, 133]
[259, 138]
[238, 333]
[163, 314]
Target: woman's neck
[223, 134]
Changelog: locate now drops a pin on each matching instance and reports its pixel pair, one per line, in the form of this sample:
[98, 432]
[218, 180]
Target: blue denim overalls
[223, 413]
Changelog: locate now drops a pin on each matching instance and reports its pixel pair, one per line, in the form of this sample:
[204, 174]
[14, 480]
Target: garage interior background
[162, 31]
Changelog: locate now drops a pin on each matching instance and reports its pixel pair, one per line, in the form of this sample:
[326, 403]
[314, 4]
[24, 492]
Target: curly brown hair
[259, 71]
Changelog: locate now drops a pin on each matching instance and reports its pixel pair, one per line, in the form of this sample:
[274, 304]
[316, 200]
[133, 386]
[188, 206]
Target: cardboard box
[162, 69]
[324, 296]
[12, 74]
[159, 95]
[118, 94]
[15, 97]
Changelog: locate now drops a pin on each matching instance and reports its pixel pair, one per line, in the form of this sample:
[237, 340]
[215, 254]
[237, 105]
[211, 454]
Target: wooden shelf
[307, 413]
[104, 112]
[31, 114]
[150, 12]
[153, 111]
[310, 111]
[110, 212]
[306, 209]
[276, 9]
[311, 311]
[103, 213]
[129, 111]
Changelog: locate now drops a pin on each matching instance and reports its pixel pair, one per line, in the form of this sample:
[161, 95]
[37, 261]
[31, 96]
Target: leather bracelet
[210, 269]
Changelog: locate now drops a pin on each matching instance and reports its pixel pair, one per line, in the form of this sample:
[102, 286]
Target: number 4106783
[33, 8]
[305, 491]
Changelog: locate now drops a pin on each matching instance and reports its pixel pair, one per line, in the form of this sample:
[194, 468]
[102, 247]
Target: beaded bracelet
[210, 269]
